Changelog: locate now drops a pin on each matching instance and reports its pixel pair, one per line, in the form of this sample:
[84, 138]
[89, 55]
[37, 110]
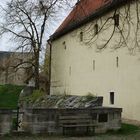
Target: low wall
[63, 121]
[70, 121]
[5, 121]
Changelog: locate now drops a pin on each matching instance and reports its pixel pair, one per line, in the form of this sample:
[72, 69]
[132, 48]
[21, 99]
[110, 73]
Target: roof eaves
[100, 12]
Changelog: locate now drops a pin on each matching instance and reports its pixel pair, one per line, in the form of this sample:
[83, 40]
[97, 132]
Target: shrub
[90, 97]
[35, 95]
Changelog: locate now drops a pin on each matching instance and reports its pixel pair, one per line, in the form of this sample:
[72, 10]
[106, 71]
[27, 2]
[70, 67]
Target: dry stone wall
[5, 121]
[72, 121]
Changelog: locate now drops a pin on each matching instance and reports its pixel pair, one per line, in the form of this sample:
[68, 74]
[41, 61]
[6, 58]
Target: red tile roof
[82, 9]
[85, 11]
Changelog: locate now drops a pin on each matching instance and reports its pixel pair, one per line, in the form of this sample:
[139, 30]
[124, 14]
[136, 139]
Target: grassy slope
[9, 95]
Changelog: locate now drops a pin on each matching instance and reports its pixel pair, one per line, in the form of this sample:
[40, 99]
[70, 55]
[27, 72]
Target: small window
[116, 20]
[81, 36]
[103, 117]
[93, 65]
[96, 28]
[70, 70]
[112, 98]
[117, 61]
[64, 45]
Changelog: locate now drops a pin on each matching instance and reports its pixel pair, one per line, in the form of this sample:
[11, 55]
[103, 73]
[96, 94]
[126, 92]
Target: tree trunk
[36, 74]
[6, 76]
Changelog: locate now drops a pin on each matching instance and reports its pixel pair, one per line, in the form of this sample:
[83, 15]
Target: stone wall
[5, 121]
[71, 121]
[9, 75]
[63, 121]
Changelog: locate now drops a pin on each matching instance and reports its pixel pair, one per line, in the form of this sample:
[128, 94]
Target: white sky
[6, 45]
[4, 40]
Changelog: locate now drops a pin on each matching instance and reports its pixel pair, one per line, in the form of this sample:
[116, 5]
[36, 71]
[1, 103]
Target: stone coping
[6, 111]
[9, 111]
[109, 109]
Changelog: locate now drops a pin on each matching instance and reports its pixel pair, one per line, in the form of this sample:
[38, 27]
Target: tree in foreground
[26, 22]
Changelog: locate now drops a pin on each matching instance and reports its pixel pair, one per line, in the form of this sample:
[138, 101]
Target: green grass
[9, 95]
[126, 129]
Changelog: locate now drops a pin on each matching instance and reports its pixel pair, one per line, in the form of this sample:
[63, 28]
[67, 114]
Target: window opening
[81, 36]
[64, 44]
[103, 117]
[93, 65]
[70, 70]
[117, 61]
[116, 20]
[112, 98]
[96, 29]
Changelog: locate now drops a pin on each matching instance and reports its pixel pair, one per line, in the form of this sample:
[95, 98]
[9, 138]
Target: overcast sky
[3, 40]
[6, 45]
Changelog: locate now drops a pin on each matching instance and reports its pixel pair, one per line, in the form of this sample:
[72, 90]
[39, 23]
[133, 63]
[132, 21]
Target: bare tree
[27, 21]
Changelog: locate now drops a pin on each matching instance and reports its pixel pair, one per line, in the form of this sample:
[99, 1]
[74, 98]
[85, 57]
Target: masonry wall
[78, 68]
[17, 75]
[6, 118]
[71, 121]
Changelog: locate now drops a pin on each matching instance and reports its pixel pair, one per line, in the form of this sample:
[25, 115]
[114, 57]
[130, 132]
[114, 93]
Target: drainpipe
[50, 62]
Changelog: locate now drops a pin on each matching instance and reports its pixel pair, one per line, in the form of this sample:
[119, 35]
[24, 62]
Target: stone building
[85, 56]
[10, 70]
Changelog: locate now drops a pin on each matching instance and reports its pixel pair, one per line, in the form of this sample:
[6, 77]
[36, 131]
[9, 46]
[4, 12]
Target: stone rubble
[67, 101]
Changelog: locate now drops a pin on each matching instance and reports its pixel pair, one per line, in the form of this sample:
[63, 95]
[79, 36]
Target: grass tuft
[126, 129]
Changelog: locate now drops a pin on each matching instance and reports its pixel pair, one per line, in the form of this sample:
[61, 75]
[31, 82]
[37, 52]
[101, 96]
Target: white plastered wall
[73, 71]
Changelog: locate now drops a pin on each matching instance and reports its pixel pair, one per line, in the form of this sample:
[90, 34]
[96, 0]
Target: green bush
[34, 96]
